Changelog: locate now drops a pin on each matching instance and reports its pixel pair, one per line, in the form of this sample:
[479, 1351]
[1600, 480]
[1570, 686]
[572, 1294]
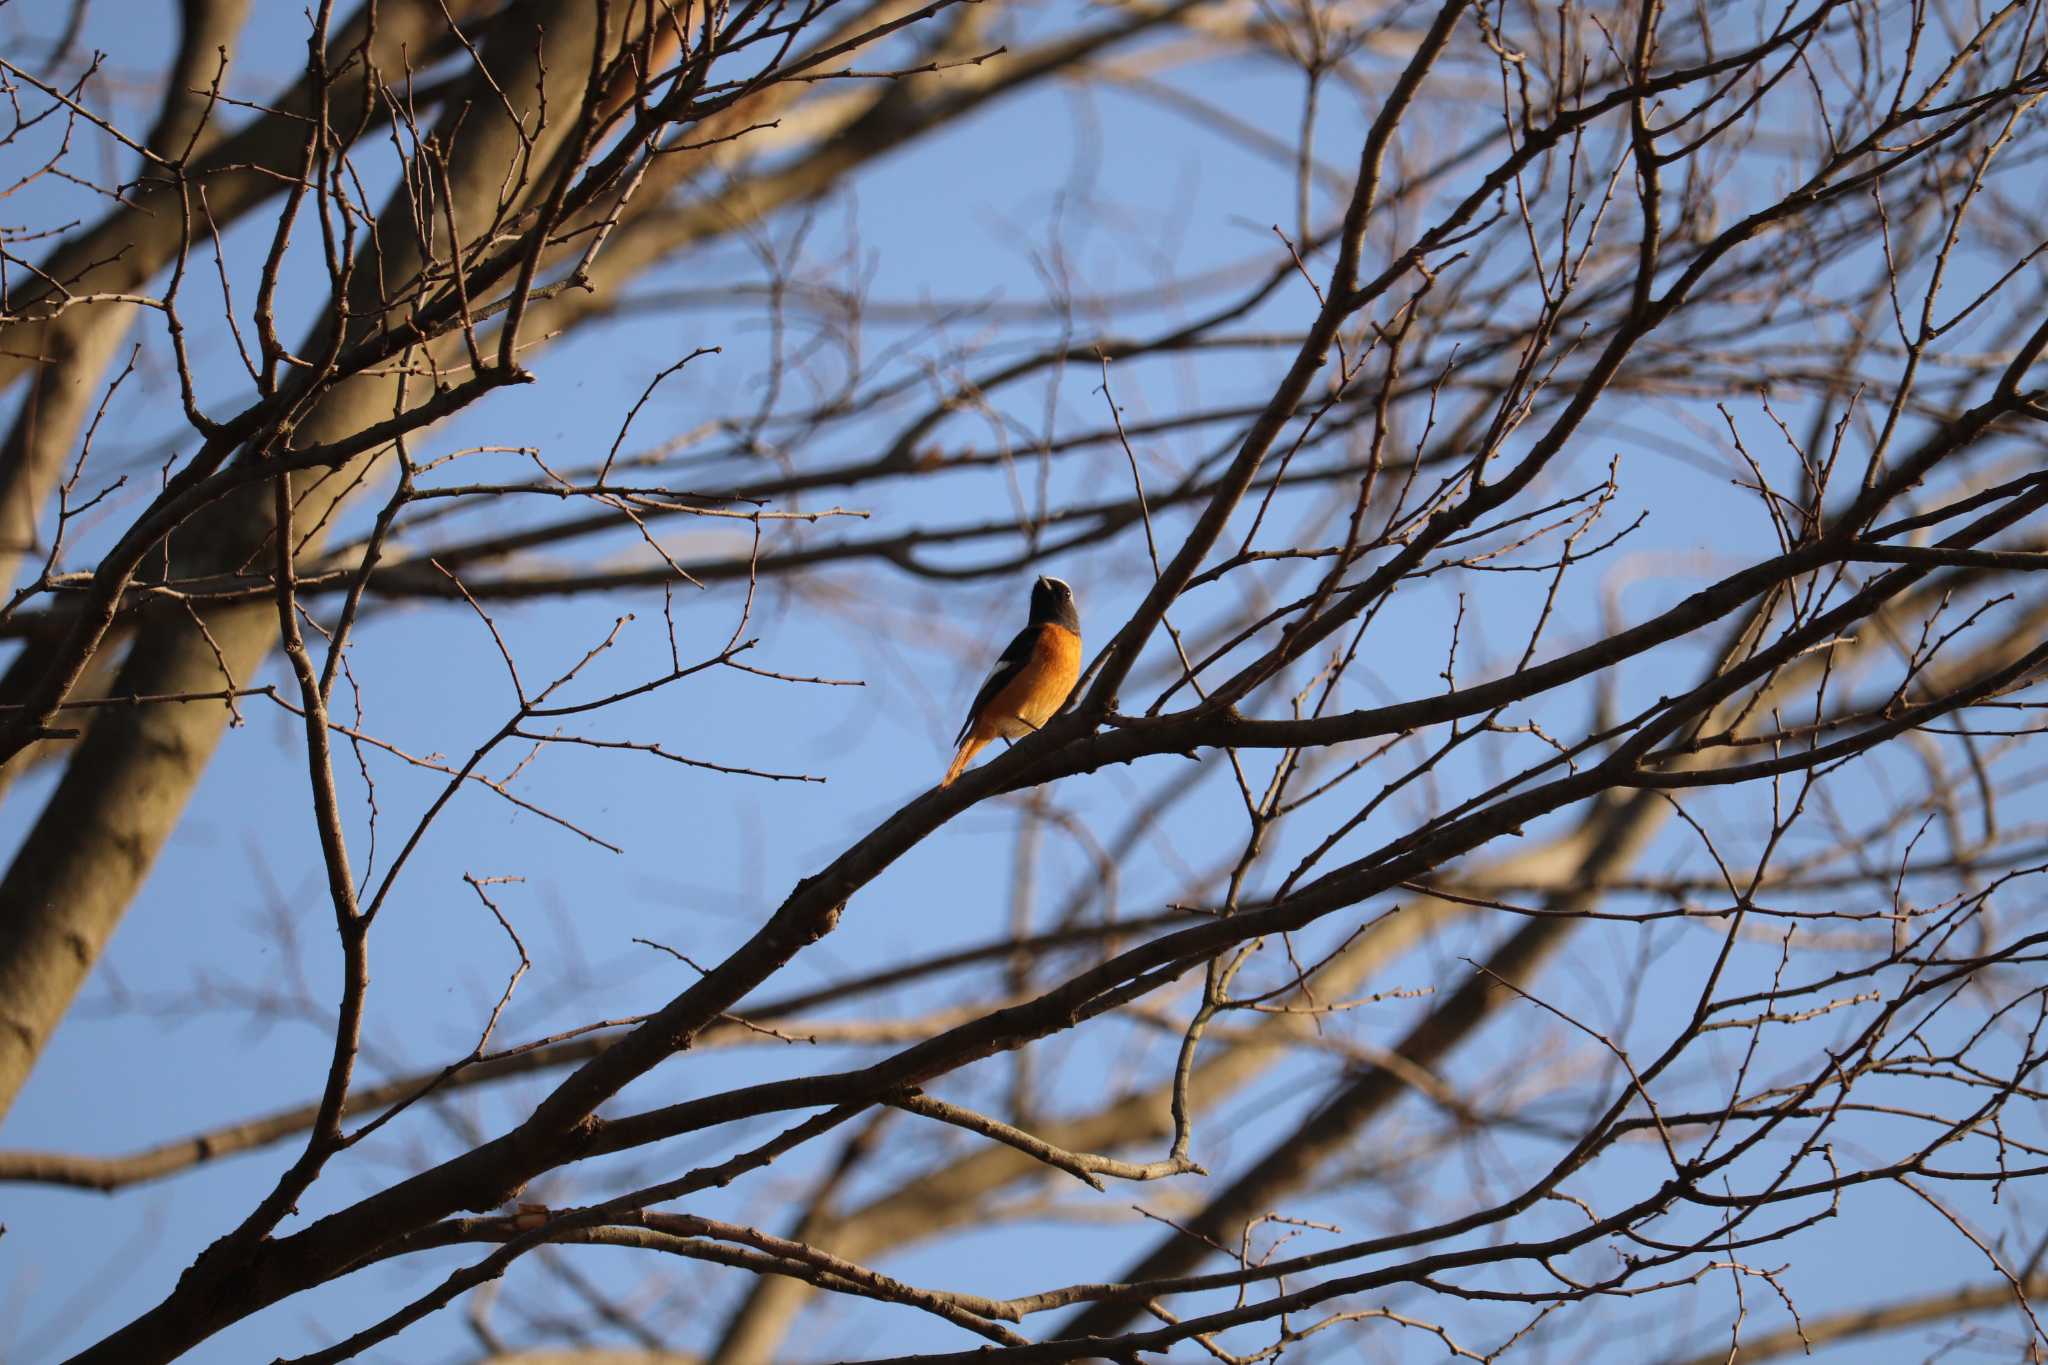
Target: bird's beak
[1044, 582]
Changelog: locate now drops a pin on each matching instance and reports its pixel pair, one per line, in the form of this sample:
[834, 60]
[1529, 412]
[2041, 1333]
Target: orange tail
[974, 744]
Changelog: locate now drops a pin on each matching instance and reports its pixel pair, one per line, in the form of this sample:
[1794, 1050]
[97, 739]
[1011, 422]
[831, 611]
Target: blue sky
[234, 911]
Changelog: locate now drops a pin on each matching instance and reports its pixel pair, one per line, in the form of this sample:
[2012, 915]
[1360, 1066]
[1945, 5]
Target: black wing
[1007, 667]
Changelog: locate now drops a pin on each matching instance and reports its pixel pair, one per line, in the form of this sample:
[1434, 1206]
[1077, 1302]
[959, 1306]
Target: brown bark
[126, 785]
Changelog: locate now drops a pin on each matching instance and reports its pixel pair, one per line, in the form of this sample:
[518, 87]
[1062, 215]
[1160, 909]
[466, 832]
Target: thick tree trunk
[123, 791]
[65, 355]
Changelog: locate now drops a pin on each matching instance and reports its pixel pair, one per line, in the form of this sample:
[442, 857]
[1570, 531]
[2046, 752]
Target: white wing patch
[1007, 667]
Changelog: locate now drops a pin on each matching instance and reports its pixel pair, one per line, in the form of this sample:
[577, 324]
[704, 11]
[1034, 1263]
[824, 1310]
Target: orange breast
[1040, 689]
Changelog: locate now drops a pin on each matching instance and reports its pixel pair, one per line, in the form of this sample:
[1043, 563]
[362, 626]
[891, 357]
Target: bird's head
[1053, 600]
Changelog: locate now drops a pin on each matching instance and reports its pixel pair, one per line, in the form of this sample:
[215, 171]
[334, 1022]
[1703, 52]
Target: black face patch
[1052, 600]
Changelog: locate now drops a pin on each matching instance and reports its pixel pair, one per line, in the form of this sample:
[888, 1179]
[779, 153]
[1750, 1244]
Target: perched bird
[1032, 680]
